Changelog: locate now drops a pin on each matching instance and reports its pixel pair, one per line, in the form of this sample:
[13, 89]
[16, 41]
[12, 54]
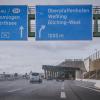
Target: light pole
[96, 53]
[96, 59]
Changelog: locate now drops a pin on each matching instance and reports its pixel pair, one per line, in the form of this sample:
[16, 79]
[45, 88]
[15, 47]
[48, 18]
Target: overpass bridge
[69, 69]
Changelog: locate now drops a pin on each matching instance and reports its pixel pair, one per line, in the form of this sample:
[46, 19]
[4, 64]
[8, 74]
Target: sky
[35, 2]
[24, 56]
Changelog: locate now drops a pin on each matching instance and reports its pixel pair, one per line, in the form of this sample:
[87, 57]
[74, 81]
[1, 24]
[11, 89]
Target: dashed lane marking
[62, 88]
[63, 95]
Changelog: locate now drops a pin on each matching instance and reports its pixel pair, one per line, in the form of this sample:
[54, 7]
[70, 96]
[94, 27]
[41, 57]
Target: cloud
[18, 56]
[37, 2]
[29, 55]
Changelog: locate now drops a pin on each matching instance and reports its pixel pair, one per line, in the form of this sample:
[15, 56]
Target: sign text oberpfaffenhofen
[64, 22]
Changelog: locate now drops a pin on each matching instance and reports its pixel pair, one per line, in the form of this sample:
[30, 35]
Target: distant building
[96, 21]
[70, 69]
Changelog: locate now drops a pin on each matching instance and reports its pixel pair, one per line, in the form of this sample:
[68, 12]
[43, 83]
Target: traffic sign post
[64, 22]
[13, 22]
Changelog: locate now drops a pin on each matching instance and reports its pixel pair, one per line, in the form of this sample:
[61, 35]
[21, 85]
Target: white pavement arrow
[42, 28]
[21, 31]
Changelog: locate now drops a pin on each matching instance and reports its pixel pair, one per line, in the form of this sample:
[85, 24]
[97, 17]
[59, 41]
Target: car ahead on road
[49, 78]
[60, 78]
[35, 77]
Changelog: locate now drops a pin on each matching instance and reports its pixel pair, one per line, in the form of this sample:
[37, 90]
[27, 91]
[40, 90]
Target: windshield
[35, 74]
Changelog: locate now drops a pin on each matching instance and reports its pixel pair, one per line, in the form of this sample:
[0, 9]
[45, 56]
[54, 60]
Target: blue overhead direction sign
[13, 22]
[64, 22]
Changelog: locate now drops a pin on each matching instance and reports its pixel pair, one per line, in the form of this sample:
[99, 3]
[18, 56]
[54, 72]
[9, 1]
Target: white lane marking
[89, 88]
[14, 90]
[62, 86]
[63, 95]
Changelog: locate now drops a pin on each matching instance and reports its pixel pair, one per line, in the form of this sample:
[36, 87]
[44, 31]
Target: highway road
[48, 90]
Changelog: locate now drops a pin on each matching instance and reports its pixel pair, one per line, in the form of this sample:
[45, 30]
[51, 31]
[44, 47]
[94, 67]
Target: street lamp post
[96, 59]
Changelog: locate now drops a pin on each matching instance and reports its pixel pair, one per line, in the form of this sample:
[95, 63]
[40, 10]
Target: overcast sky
[34, 2]
[24, 56]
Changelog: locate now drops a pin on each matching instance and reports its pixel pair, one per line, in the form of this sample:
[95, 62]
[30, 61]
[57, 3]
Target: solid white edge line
[14, 90]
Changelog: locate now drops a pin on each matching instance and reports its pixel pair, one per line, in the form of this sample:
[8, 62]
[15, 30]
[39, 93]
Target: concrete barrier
[97, 82]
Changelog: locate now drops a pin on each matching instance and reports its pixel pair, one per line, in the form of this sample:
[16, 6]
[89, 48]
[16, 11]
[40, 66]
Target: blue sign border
[26, 36]
[47, 6]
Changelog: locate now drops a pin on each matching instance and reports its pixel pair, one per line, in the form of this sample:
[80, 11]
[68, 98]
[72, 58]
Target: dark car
[60, 78]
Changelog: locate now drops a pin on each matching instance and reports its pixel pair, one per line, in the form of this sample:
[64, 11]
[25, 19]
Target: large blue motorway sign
[64, 22]
[13, 22]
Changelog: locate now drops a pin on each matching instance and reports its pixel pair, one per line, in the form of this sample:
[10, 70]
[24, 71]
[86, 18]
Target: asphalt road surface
[48, 90]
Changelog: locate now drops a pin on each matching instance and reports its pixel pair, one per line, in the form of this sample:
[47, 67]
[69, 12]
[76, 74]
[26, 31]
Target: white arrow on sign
[21, 31]
[42, 28]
